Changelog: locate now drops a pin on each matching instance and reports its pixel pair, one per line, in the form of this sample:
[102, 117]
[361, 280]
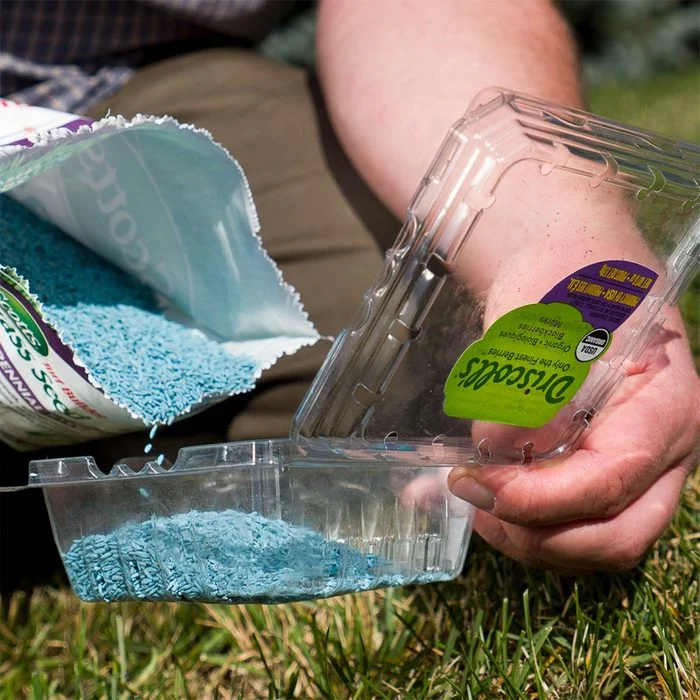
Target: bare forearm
[397, 73]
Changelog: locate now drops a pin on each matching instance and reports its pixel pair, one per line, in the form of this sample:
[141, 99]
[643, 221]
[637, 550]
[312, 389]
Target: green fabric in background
[619, 40]
[294, 40]
[640, 58]
[632, 40]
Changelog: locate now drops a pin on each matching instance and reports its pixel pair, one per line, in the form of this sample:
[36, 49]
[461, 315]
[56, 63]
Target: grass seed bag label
[534, 359]
[134, 288]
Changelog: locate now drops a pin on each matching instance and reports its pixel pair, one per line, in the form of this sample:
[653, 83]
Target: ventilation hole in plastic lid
[611, 170]
[484, 450]
[559, 158]
[401, 332]
[527, 450]
[438, 266]
[391, 438]
[365, 396]
[478, 199]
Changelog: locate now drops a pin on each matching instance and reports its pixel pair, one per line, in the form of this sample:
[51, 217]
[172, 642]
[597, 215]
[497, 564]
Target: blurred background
[641, 61]
[640, 58]
[631, 40]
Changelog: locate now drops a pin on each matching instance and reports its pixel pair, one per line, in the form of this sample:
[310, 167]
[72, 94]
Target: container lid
[534, 266]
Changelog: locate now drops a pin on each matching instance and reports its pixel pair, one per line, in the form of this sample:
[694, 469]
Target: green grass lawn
[499, 631]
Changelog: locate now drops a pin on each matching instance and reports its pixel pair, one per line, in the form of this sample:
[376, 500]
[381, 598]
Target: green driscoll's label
[12, 312]
[524, 369]
[534, 359]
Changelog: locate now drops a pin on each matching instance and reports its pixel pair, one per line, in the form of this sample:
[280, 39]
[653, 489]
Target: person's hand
[605, 505]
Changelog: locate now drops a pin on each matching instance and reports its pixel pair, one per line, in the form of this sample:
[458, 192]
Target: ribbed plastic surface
[254, 521]
[386, 372]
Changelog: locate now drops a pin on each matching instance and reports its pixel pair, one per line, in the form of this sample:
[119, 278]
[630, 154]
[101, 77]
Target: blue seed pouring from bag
[87, 351]
[90, 335]
[95, 344]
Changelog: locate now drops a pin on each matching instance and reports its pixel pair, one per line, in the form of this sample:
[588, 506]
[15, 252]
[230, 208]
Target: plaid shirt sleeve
[69, 54]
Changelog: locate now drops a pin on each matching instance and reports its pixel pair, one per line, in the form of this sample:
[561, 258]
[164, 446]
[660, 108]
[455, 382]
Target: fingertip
[471, 491]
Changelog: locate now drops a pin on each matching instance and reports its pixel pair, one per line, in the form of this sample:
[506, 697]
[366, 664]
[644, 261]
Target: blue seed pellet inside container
[156, 368]
[223, 556]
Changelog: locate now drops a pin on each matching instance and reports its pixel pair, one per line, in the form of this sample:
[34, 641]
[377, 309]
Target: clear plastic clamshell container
[255, 522]
[537, 261]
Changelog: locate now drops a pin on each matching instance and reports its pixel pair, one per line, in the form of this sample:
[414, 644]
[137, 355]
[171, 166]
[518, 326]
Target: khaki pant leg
[321, 225]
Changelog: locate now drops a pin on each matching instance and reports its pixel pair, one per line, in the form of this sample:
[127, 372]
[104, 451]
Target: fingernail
[473, 492]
